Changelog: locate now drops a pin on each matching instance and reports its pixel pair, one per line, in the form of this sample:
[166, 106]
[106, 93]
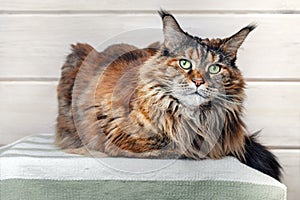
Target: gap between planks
[87, 12]
[55, 79]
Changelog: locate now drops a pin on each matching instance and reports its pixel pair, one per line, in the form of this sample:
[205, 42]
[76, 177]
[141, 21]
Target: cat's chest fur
[163, 122]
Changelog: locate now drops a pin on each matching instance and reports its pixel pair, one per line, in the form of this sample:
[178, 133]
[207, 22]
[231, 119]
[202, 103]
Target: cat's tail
[260, 158]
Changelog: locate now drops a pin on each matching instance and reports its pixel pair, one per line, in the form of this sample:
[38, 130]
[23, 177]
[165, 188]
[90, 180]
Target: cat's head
[194, 70]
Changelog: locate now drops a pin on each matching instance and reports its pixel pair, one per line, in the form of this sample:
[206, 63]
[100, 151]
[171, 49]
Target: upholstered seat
[33, 168]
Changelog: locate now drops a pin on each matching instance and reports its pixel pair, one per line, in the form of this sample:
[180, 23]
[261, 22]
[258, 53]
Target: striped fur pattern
[133, 102]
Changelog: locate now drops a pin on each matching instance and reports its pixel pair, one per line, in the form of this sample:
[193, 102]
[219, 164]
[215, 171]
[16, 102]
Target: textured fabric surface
[33, 168]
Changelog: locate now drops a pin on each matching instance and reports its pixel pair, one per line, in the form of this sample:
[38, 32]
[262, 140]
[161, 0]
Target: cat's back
[80, 77]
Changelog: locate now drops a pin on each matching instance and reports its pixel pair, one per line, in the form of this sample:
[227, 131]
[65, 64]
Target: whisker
[223, 97]
[229, 101]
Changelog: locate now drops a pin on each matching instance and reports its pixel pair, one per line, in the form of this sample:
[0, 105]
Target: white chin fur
[190, 98]
[193, 100]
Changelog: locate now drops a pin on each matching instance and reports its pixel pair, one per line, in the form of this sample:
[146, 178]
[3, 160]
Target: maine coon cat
[179, 99]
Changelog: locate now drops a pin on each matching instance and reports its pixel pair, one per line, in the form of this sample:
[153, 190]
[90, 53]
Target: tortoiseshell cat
[180, 99]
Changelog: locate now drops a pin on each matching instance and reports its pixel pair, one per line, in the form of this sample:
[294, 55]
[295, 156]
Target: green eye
[185, 64]
[214, 69]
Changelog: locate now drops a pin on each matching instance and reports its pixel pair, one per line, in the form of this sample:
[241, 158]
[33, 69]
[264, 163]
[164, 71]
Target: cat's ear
[231, 45]
[173, 34]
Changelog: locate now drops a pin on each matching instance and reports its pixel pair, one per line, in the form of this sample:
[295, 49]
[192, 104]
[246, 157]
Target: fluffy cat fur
[133, 102]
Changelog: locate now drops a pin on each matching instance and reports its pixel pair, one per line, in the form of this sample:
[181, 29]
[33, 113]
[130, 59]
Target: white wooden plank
[274, 108]
[290, 160]
[30, 107]
[122, 5]
[35, 45]
[26, 108]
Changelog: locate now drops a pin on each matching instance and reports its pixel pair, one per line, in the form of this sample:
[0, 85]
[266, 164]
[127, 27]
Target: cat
[179, 99]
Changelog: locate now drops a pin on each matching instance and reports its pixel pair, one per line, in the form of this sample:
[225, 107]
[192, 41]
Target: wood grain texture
[30, 107]
[133, 5]
[35, 45]
[290, 160]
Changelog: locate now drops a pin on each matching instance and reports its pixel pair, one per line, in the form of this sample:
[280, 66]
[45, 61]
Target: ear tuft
[169, 21]
[163, 13]
[233, 43]
[251, 27]
[173, 34]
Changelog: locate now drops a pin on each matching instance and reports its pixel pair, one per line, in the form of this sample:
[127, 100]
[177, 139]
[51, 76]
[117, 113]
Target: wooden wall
[35, 37]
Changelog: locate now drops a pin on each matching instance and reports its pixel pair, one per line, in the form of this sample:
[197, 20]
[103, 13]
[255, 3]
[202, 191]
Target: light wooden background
[35, 37]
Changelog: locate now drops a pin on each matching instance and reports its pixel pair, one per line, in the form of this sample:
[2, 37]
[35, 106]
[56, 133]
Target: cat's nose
[198, 81]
